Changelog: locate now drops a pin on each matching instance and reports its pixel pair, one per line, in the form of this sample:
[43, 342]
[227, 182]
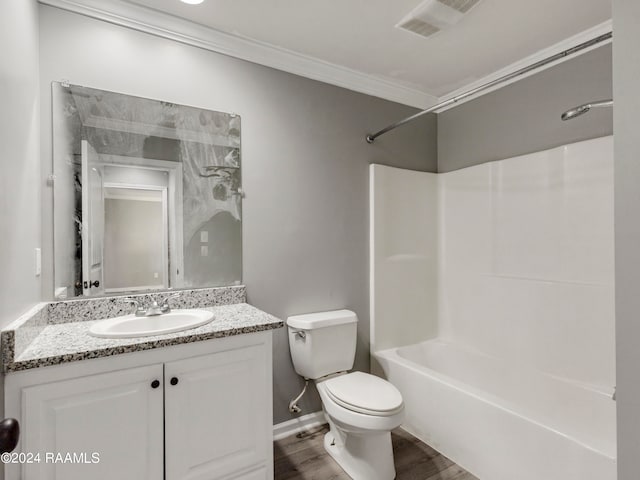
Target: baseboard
[297, 425]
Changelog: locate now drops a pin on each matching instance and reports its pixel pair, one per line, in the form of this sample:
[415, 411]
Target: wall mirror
[147, 194]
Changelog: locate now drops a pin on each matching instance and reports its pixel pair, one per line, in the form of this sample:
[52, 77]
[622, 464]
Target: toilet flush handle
[300, 333]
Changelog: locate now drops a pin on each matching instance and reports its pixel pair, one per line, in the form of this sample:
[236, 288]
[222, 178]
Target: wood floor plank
[303, 457]
[295, 443]
[415, 460]
[453, 472]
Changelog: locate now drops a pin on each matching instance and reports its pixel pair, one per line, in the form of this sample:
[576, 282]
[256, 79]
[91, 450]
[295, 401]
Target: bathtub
[500, 421]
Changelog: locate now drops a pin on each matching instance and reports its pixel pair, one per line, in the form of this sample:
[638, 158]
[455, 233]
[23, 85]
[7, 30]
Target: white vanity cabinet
[199, 411]
[214, 409]
[117, 415]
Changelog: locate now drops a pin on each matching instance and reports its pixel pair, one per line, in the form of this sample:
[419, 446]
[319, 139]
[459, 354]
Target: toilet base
[362, 457]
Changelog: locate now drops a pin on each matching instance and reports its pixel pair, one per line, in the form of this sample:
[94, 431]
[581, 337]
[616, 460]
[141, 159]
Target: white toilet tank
[322, 343]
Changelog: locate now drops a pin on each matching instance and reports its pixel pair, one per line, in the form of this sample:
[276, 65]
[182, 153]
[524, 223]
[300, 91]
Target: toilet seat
[364, 393]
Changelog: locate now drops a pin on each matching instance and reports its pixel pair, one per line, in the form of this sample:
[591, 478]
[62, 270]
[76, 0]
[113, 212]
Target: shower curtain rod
[594, 41]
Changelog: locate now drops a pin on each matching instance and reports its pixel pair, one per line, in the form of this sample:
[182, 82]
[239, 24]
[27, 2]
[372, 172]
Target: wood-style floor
[303, 457]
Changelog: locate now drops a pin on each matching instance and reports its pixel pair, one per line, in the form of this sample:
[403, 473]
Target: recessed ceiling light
[192, 2]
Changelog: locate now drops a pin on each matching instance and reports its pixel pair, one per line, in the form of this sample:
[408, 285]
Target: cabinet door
[218, 414]
[117, 415]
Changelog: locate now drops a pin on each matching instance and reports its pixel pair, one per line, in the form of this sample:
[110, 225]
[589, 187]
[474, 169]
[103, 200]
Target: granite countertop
[56, 343]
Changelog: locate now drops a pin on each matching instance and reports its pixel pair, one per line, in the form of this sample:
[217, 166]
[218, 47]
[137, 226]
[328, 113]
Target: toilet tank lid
[309, 321]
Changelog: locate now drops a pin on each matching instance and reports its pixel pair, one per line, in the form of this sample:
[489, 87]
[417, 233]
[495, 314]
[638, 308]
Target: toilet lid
[364, 393]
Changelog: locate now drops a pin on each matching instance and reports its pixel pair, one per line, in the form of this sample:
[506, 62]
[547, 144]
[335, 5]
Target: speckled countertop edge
[16, 336]
[57, 332]
[70, 342]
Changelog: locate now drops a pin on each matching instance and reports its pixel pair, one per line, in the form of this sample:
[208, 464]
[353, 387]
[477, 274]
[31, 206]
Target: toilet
[361, 409]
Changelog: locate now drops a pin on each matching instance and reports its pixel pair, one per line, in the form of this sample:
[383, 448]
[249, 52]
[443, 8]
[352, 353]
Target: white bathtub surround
[509, 368]
[404, 256]
[526, 246]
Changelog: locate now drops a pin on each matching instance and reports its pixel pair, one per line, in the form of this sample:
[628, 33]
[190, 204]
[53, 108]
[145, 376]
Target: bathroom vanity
[195, 404]
[171, 384]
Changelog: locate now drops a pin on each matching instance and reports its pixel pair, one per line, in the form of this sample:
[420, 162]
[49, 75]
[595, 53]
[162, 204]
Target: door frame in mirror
[174, 205]
[164, 199]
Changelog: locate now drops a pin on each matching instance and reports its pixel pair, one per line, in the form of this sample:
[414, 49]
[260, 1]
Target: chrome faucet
[155, 308]
[138, 310]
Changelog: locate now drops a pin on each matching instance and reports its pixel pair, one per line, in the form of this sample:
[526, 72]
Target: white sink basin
[130, 326]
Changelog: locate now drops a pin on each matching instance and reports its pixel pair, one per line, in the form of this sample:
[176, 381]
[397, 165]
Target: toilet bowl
[359, 439]
[361, 409]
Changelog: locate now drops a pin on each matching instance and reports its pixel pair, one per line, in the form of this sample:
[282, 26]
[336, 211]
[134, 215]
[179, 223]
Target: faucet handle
[138, 310]
[165, 303]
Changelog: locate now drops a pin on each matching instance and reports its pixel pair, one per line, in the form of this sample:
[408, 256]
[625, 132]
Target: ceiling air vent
[415, 25]
[432, 16]
[461, 5]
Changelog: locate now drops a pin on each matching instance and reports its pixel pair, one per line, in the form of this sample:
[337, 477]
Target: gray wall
[305, 164]
[626, 71]
[19, 137]
[524, 117]
[20, 162]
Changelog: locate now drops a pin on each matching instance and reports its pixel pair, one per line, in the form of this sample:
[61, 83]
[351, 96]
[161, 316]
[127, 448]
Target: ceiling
[361, 34]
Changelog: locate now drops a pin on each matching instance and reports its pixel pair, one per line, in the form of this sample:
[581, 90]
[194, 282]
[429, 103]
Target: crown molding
[157, 23]
[566, 44]
[163, 25]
